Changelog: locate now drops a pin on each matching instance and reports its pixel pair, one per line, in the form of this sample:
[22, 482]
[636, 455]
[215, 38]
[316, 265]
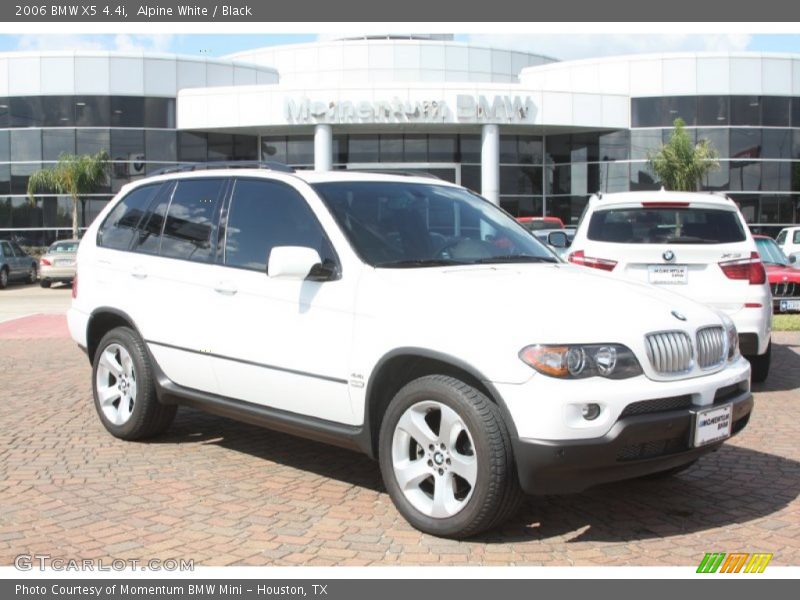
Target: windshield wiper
[420, 262]
[516, 258]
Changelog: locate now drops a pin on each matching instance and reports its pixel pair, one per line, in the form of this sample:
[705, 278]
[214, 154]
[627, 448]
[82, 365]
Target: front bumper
[635, 446]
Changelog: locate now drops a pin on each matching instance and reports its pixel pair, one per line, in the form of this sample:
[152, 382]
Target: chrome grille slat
[710, 347]
[670, 352]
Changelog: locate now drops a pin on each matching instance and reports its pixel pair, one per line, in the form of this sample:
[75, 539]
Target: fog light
[590, 411]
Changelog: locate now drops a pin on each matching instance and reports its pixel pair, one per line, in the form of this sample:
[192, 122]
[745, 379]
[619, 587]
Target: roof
[661, 196]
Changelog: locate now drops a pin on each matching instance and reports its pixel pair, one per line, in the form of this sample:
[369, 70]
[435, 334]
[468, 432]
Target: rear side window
[781, 237]
[796, 238]
[119, 228]
[266, 214]
[191, 222]
[666, 225]
[5, 249]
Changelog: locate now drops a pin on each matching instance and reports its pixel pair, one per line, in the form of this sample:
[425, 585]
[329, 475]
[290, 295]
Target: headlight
[732, 336]
[612, 361]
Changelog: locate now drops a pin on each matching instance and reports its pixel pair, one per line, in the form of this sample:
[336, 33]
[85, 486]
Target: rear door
[678, 246]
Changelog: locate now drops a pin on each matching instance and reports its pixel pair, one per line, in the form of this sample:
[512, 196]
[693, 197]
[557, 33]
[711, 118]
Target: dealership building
[534, 134]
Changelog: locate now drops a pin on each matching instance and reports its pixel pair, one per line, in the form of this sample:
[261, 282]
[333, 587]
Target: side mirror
[558, 239]
[792, 258]
[298, 262]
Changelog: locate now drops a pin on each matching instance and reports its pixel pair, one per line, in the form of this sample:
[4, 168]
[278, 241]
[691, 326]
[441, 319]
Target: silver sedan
[58, 263]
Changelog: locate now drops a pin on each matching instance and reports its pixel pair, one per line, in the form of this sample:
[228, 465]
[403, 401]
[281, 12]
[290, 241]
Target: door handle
[225, 288]
[138, 273]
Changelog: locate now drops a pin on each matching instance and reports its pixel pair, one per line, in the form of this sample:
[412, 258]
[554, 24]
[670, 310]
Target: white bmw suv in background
[403, 317]
[696, 244]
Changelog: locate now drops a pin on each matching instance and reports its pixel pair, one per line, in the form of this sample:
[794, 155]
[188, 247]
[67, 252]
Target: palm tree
[679, 164]
[73, 175]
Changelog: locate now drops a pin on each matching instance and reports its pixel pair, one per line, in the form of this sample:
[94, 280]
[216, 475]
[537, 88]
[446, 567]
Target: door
[283, 343]
[22, 262]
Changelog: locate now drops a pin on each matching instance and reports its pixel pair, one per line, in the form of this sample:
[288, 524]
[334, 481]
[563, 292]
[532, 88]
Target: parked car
[789, 240]
[15, 264]
[540, 223]
[58, 263]
[696, 244]
[406, 318]
[543, 227]
[783, 275]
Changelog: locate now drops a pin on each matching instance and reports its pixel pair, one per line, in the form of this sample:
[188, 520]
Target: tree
[680, 165]
[72, 176]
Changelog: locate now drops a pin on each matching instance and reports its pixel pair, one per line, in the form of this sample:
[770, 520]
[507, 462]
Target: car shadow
[784, 370]
[732, 485]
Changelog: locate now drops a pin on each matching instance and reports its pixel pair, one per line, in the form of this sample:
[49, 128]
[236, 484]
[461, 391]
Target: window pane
[745, 175]
[5, 180]
[415, 148]
[57, 211]
[585, 147]
[26, 111]
[301, 150]
[191, 147]
[520, 180]
[796, 144]
[776, 111]
[4, 112]
[644, 142]
[530, 149]
[25, 213]
[508, 149]
[717, 179]
[748, 205]
[93, 111]
[745, 110]
[274, 148]
[569, 210]
[391, 148]
[148, 235]
[745, 143]
[159, 112]
[718, 138]
[4, 147]
[117, 231]
[245, 147]
[220, 146]
[92, 141]
[614, 177]
[713, 110]
[59, 111]
[471, 178]
[90, 209]
[470, 148]
[776, 209]
[127, 111]
[776, 143]
[681, 107]
[443, 148]
[641, 178]
[20, 172]
[558, 148]
[190, 229]
[614, 145]
[5, 213]
[339, 150]
[795, 111]
[362, 148]
[776, 176]
[26, 145]
[647, 112]
[266, 214]
[127, 144]
[56, 142]
[160, 146]
[559, 179]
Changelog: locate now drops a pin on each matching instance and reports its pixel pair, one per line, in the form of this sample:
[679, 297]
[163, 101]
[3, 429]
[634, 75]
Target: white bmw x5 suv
[403, 317]
[695, 244]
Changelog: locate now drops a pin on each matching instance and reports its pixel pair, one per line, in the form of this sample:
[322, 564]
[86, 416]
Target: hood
[781, 274]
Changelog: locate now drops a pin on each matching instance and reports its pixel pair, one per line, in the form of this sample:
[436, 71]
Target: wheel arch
[403, 365]
[101, 321]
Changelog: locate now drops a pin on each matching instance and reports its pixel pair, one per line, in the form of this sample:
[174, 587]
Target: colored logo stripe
[735, 562]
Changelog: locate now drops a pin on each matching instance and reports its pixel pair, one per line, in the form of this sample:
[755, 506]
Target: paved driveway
[222, 493]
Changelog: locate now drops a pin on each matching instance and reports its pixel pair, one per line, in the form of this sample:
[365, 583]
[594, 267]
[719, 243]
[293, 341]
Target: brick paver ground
[221, 492]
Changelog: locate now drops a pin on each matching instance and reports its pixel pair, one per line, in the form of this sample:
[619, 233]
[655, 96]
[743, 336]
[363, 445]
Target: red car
[784, 277]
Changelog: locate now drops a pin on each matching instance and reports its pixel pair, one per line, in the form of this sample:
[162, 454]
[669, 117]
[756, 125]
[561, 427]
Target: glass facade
[138, 133]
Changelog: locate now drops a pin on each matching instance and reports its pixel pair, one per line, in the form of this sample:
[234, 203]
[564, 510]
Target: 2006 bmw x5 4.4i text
[404, 317]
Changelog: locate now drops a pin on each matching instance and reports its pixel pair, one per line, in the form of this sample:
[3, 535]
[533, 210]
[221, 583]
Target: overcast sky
[562, 46]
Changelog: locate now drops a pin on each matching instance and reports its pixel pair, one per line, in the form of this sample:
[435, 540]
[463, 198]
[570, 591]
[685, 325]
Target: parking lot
[221, 493]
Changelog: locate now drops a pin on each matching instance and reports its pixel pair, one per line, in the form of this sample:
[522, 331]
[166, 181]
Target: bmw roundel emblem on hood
[668, 255]
[678, 315]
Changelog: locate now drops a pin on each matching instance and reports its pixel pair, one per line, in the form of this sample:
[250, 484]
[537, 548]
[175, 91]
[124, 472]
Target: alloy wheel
[116, 384]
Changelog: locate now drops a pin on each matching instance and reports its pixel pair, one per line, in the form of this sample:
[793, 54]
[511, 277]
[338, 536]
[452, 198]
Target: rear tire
[446, 458]
[760, 365]
[3, 278]
[124, 388]
[45, 283]
[33, 274]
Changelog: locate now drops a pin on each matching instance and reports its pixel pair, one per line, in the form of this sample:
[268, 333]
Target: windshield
[396, 224]
[770, 253]
[63, 247]
[666, 225]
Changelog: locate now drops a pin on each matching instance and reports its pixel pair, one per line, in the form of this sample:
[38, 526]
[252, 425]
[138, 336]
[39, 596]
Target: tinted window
[781, 237]
[776, 111]
[159, 112]
[402, 225]
[127, 111]
[665, 225]
[266, 214]
[712, 110]
[6, 247]
[92, 141]
[56, 142]
[92, 111]
[796, 238]
[745, 110]
[119, 228]
[191, 146]
[189, 231]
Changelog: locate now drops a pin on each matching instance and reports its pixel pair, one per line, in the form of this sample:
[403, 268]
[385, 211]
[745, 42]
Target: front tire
[3, 278]
[446, 459]
[124, 388]
[33, 274]
[759, 365]
[45, 283]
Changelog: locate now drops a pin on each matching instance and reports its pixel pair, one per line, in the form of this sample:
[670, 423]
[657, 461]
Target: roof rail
[269, 165]
[393, 172]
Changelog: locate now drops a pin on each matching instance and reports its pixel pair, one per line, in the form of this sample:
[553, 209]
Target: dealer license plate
[789, 305]
[712, 425]
[668, 274]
